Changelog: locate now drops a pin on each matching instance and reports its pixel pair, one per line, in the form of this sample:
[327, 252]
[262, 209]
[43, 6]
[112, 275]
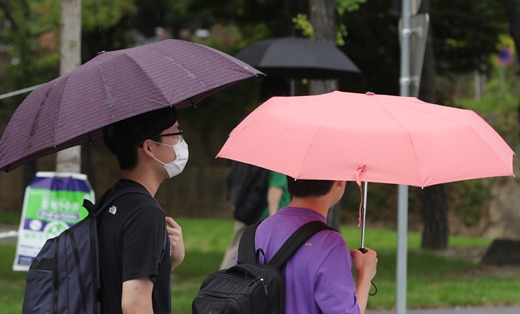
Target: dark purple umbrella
[115, 85]
[294, 57]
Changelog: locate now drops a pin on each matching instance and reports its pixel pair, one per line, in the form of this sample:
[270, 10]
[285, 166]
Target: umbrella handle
[363, 250]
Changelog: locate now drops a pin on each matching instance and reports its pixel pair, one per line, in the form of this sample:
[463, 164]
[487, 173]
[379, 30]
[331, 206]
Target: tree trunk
[436, 232]
[513, 16]
[323, 19]
[434, 210]
[29, 172]
[69, 160]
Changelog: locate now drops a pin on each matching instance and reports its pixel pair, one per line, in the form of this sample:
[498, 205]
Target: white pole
[402, 200]
[364, 215]
[402, 249]
[18, 92]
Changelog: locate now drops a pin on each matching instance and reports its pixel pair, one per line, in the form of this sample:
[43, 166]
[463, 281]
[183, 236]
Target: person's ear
[148, 148]
[341, 183]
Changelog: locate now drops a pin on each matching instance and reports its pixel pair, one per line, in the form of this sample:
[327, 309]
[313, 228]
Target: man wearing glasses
[137, 251]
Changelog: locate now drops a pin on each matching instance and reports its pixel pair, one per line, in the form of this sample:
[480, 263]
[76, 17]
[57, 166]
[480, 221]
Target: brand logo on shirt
[112, 209]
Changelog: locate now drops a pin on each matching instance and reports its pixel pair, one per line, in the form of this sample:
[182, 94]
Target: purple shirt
[318, 277]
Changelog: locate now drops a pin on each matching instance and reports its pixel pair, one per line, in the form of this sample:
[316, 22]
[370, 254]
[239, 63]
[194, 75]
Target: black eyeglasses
[170, 134]
[156, 138]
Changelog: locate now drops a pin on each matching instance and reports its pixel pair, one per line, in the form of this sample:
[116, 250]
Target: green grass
[433, 281]
[10, 217]
[12, 284]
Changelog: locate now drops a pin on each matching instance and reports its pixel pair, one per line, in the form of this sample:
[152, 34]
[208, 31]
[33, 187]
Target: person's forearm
[176, 242]
[136, 311]
[177, 257]
[137, 296]
[274, 195]
[362, 290]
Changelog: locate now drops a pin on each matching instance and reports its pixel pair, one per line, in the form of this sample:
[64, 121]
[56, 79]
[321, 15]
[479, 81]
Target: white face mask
[176, 166]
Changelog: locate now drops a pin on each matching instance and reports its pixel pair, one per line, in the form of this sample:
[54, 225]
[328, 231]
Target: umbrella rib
[315, 134]
[54, 125]
[416, 159]
[59, 117]
[140, 68]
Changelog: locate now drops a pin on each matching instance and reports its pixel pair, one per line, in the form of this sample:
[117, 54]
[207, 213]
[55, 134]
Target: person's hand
[176, 241]
[365, 264]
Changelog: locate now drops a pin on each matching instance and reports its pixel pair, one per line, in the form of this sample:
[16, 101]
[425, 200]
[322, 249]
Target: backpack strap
[104, 201]
[247, 251]
[246, 248]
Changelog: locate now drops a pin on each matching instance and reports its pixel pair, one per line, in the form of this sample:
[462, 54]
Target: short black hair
[308, 188]
[122, 138]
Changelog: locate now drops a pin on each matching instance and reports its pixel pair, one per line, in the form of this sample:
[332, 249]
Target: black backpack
[64, 276]
[246, 191]
[249, 287]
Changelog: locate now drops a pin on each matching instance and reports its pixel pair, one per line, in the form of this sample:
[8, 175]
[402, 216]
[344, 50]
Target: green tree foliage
[32, 31]
[104, 14]
[257, 19]
[372, 44]
[25, 22]
[302, 23]
[27, 36]
[344, 6]
[469, 198]
[466, 33]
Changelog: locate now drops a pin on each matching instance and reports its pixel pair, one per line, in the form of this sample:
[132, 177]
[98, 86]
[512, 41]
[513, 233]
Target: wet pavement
[486, 310]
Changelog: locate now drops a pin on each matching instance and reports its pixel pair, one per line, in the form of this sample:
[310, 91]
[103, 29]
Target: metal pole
[402, 249]
[18, 92]
[402, 201]
[363, 225]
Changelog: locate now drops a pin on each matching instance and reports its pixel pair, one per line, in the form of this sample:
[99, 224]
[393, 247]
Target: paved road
[8, 235]
[491, 310]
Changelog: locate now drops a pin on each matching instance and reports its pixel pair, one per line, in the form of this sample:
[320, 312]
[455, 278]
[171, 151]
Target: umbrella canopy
[293, 57]
[74, 108]
[371, 138]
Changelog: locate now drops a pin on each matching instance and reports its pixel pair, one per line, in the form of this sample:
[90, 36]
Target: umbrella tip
[100, 52]
[370, 93]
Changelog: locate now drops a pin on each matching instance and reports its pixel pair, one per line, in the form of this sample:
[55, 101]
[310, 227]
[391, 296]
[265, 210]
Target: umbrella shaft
[364, 215]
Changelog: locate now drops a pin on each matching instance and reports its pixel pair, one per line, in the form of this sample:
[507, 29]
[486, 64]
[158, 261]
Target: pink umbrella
[367, 137]
[370, 138]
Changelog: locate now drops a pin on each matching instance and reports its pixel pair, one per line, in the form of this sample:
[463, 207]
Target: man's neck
[149, 183]
[317, 204]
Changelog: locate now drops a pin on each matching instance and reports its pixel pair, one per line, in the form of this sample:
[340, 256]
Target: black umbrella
[293, 57]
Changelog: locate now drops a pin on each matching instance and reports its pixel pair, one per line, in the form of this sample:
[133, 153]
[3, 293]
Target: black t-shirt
[133, 243]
